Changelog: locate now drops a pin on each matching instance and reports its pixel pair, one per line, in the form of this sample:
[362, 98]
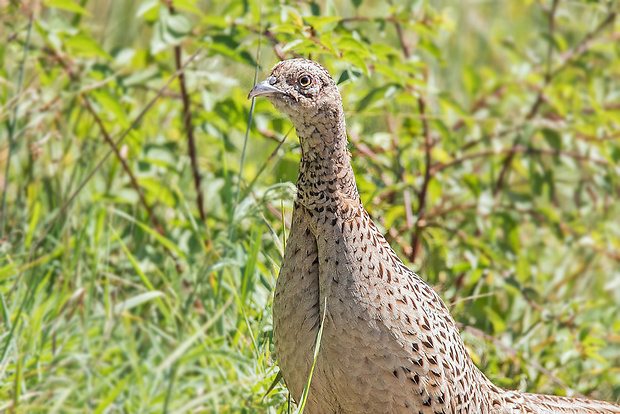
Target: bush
[143, 225]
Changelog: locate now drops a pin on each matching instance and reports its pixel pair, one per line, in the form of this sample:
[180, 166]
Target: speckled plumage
[389, 342]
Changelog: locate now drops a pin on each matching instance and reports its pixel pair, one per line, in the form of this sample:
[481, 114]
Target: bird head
[301, 89]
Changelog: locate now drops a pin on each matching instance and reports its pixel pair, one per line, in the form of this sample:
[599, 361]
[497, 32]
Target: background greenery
[486, 143]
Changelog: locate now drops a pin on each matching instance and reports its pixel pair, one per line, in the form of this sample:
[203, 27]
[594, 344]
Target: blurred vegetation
[139, 277]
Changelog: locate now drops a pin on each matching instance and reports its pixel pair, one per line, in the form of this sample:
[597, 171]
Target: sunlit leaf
[67, 5]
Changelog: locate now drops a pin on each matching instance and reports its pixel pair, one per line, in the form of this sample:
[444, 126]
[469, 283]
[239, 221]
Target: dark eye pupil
[304, 81]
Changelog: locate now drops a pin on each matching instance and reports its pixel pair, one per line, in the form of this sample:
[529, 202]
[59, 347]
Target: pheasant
[389, 343]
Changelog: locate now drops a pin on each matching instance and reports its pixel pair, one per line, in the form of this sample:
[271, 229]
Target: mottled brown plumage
[389, 343]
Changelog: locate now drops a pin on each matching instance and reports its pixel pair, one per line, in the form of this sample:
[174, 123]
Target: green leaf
[498, 322]
[155, 190]
[187, 5]
[323, 24]
[67, 5]
[356, 60]
[553, 138]
[83, 45]
[169, 30]
[148, 9]
[372, 97]
[167, 243]
[251, 264]
[354, 46]
[111, 106]
[136, 301]
[389, 72]
[110, 396]
[286, 28]
[178, 25]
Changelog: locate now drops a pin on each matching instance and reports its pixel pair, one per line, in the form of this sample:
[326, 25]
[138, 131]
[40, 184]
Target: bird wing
[296, 304]
[422, 329]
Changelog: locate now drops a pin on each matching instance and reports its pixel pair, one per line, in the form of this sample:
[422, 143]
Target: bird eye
[304, 81]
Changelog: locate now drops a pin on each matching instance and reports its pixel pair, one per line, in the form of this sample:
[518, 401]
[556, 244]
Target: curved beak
[265, 88]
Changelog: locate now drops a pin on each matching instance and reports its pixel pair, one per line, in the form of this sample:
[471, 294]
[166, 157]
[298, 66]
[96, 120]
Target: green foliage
[485, 141]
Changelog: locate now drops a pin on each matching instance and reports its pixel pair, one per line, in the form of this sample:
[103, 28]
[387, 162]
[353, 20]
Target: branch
[446, 211]
[539, 99]
[514, 355]
[400, 171]
[569, 230]
[401, 38]
[115, 148]
[566, 58]
[187, 121]
[428, 144]
[277, 46]
[126, 168]
[479, 104]
[584, 45]
[517, 150]
[592, 138]
[267, 162]
[415, 238]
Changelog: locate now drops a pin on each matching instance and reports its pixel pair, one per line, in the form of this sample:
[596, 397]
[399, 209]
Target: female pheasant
[389, 343]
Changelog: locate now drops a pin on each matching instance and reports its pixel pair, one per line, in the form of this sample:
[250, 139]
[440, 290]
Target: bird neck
[326, 178]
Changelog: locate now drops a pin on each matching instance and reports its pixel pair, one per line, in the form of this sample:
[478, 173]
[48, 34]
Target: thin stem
[415, 239]
[428, 146]
[126, 168]
[247, 130]
[517, 149]
[189, 129]
[266, 163]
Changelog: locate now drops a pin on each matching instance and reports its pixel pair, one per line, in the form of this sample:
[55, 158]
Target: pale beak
[265, 88]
